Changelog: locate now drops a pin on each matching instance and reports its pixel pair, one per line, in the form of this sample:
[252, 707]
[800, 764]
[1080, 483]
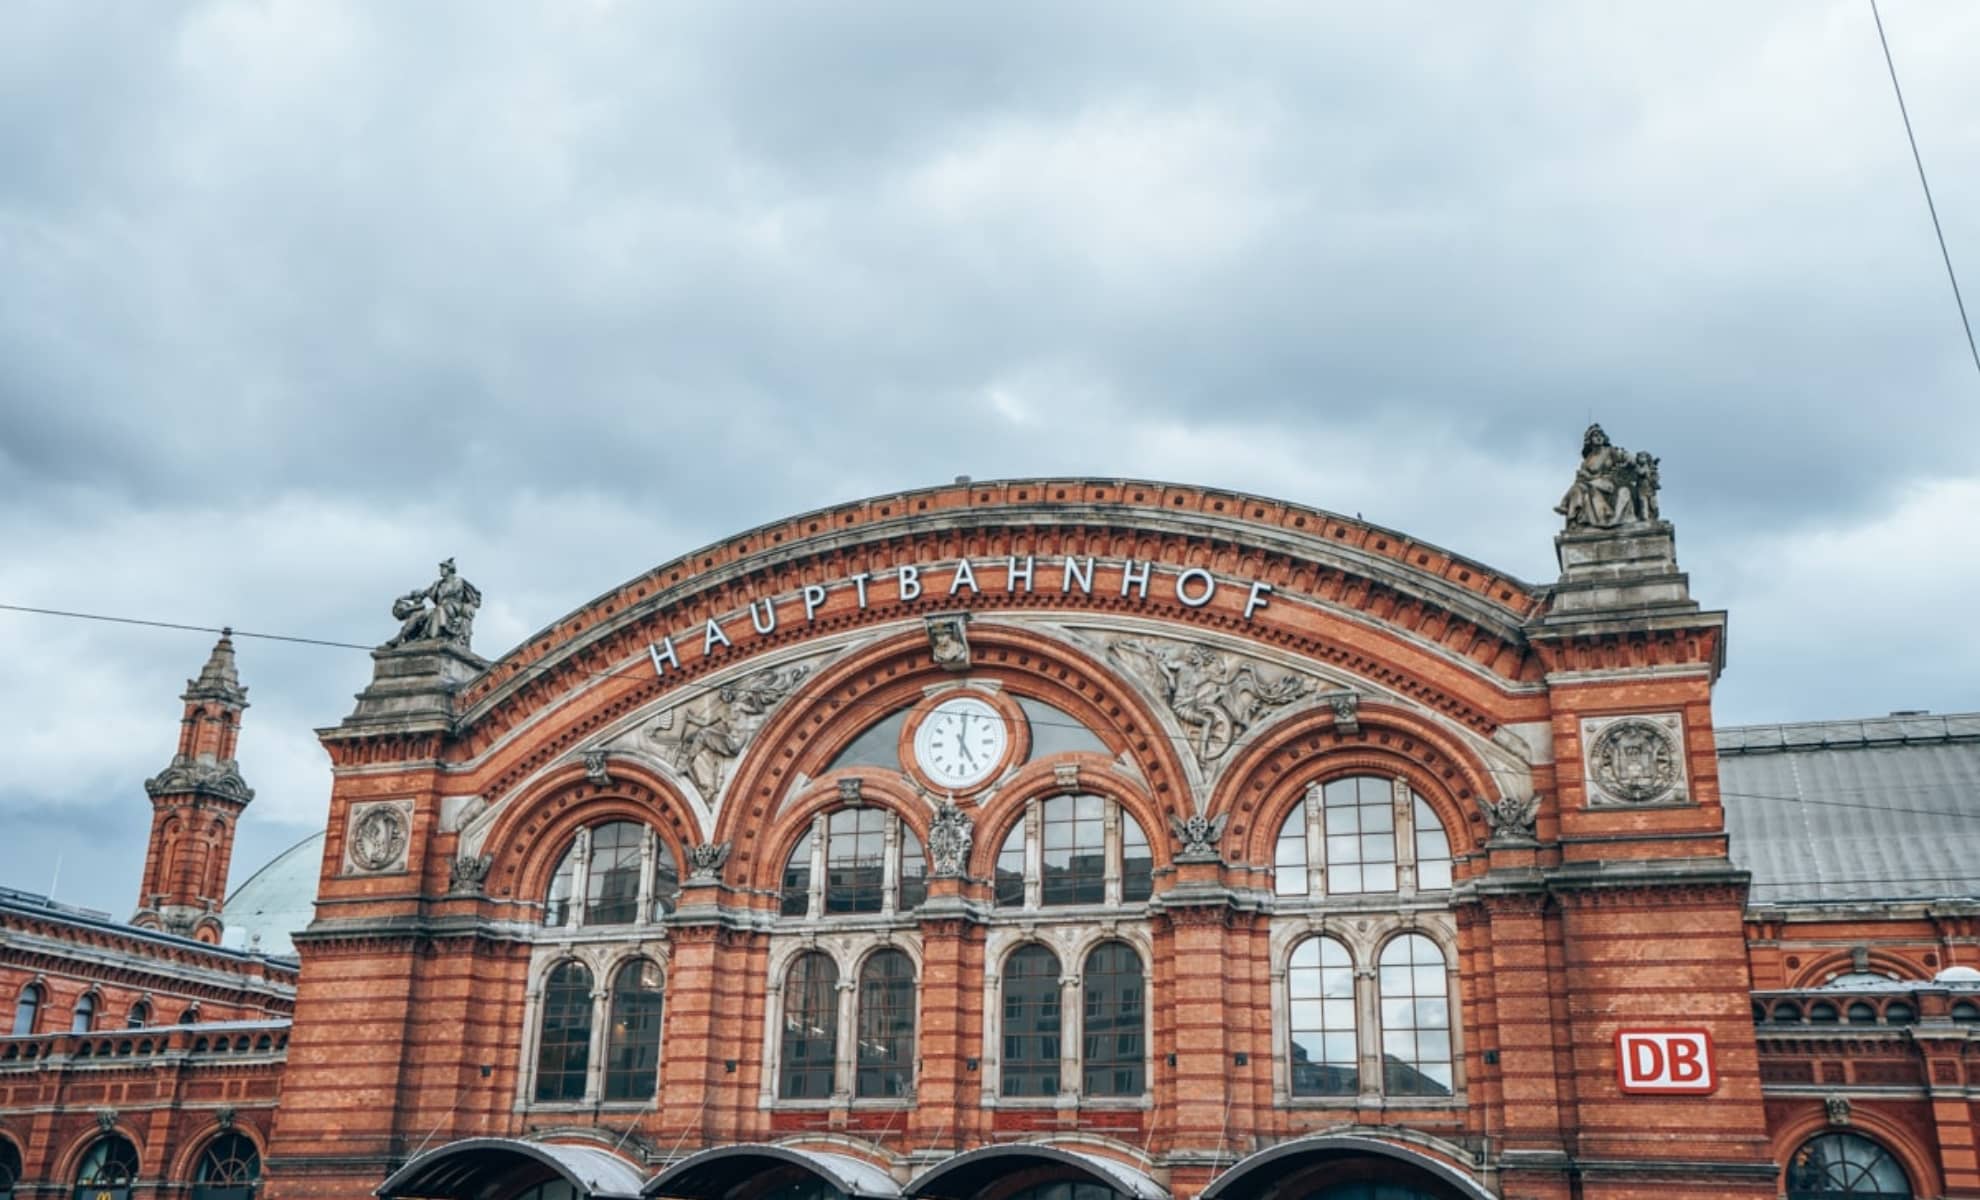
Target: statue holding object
[1612, 488]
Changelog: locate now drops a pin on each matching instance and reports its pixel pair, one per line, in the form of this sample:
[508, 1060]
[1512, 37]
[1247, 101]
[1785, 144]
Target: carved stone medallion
[1634, 760]
[379, 834]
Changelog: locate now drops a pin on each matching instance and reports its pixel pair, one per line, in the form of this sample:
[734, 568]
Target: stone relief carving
[950, 835]
[208, 778]
[1611, 488]
[703, 738]
[378, 837]
[1199, 836]
[1634, 760]
[1065, 777]
[442, 611]
[1510, 818]
[948, 641]
[595, 767]
[467, 873]
[1217, 696]
[705, 861]
[225, 1118]
[106, 1119]
[1838, 1109]
[1347, 710]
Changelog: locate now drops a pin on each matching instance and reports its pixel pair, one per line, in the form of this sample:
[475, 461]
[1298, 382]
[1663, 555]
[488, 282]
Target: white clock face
[961, 742]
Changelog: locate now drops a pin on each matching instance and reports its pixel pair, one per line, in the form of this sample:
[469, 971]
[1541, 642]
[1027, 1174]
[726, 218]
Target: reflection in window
[611, 892]
[914, 871]
[632, 1039]
[1433, 849]
[878, 746]
[1320, 991]
[1359, 840]
[27, 1010]
[1360, 819]
[797, 879]
[107, 1170]
[811, 1028]
[229, 1169]
[563, 886]
[1137, 863]
[563, 1050]
[1289, 854]
[1113, 1048]
[1075, 858]
[1416, 1018]
[886, 1026]
[855, 860]
[666, 880]
[1031, 1023]
[1056, 731]
[857, 866]
[1842, 1165]
[1010, 869]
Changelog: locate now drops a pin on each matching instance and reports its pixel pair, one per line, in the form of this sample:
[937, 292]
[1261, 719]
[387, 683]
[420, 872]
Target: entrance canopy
[502, 1168]
[714, 1174]
[963, 1176]
[1315, 1163]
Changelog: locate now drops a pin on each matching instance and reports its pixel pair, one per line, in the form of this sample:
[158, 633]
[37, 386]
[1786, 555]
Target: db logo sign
[1665, 1062]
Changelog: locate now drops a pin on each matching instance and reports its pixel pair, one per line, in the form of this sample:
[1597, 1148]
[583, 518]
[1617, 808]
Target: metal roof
[1886, 808]
[469, 1166]
[276, 901]
[712, 1174]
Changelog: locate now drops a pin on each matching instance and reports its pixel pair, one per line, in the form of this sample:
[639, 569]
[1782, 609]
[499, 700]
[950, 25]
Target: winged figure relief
[1216, 696]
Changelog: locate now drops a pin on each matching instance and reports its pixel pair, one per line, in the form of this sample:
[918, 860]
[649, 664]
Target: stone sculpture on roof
[442, 611]
[1611, 488]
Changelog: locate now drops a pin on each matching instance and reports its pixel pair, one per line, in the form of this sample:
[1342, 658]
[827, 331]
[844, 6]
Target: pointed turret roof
[218, 679]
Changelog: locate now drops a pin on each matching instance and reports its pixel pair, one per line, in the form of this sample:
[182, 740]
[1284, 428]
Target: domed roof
[276, 901]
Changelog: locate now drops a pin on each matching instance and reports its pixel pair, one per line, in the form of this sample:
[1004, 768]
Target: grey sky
[296, 299]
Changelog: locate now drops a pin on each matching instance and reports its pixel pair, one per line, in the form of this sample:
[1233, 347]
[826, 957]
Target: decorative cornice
[200, 777]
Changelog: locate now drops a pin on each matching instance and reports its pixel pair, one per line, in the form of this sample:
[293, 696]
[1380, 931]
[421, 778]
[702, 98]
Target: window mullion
[890, 865]
[1316, 842]
[594, 1076]
[646, 856]
[580, 879]
[1405, 832]
[1368, 1031]
[1072, 1027]
[1034, 854]
[1111, 853]
[845, 1055]
[820, 841]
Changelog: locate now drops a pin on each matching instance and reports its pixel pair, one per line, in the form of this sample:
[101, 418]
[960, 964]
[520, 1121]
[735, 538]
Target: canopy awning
[474, 1168]
[963, 1176]
[1257, 1174]
[711, 1174]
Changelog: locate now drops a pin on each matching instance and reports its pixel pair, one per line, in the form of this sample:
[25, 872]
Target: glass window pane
[810, 1042]
[1415, 1007]
[1360, 842]
[914, 872]
[855, 860]
[1433, 849]
[1113, 1060]
[886, 1026]
[564, 1038]
[1289, 854]
[1031, 1023]
[632, 1040]
[1075, 856]
[557, 901]
[1137, 862]
[1010, 869]
[1323, 1055]
[611, 895]
[797, 879]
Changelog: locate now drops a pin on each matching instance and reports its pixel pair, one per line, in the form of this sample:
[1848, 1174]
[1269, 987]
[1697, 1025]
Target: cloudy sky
[296, 299]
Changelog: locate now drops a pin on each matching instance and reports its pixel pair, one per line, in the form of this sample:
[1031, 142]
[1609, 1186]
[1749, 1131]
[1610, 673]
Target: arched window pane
[914, 871]
[886, 1026]
[140, 1016]
[229, 1169]
[107, 1170]
[1031, 1023]
[1113, 1045]
[1010, 869]
[1841, 1165]
[26, 1010]
[1320, 994]
[611, 890]
[1433, 850]
[563, 1051]
[10, 1168]
[811, 1028]
[1289, 854]
[557, 901]
[632, 1040]
[1137, 862]
[1360, 819]
[1075, 851]
[797, 879]
[666, 880]
[855, 860]
[1416, 1018]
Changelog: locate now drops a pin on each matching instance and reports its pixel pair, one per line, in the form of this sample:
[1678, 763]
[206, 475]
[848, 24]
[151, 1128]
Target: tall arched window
[10, 1168]
[886, 1026]
[107, 1170]
[1845, 1166]
[27, 1010]
[1362, 830]
[861, 847]
[1324, 1054]
[140, 1016]
[563, 1048]
[1416, 1018]
[1031, 1023]
[632, 1039]
[229, 1169]
[605, 865]
[1113, 1043]
[1074, 863]
[1080, 859]
[811, 1028]
[611, 890]
[83, 1018]
[855, 860]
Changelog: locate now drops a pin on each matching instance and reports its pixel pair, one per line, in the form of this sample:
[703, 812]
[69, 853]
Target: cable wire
[1919, 160]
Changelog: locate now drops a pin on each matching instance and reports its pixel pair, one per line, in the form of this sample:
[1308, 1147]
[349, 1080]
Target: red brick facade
[1168, 654]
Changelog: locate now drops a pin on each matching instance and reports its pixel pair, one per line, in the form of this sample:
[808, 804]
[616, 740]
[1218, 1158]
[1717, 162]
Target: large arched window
[810, 1045]
[10, 1168]
[607, 864]
[229, 1169]
[1113, 1043]
[1031, 1023]
[857, 848]
[632, 1038]
[140, 1016]
[1416, 1018]
[107, 1170]
[563, 1048]
[1324, 1052]
[1088, 849]
[83, 1017]
[1362, 831]
[27, 1010]
[886, 1026]
[1845, 1166]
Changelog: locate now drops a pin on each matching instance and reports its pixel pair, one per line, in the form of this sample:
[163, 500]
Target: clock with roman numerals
[961, 742]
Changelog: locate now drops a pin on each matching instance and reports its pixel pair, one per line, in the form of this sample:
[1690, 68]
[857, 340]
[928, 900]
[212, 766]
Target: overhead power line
[1891, 64]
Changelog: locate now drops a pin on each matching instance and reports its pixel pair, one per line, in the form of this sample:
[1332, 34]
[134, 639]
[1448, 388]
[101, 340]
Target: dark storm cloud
[298, 298]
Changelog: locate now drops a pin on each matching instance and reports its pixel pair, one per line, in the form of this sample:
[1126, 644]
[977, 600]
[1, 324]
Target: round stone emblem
[379, 838]
[1635, 761]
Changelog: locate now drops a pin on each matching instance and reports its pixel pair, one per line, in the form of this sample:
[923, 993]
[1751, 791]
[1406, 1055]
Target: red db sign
[1665, 1062]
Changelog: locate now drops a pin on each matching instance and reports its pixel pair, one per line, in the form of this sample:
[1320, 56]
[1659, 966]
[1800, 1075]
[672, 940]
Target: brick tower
[195, 804]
